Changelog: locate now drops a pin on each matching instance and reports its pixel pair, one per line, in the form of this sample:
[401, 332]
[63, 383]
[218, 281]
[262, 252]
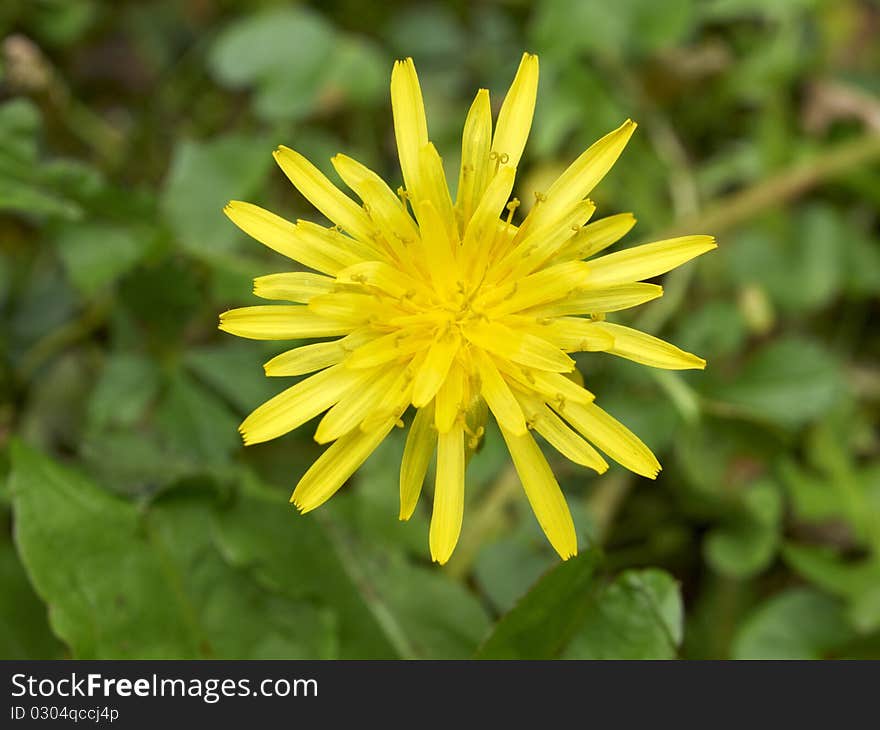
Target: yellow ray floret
[452, 308]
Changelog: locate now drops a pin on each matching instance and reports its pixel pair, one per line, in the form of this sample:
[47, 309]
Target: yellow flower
[450, 308]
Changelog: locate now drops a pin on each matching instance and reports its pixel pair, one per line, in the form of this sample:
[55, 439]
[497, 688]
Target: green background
[133, 523]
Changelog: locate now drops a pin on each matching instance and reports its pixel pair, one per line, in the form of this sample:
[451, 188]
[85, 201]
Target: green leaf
[196, 423]
[747, 543]
[284, 52]
[19, 125]
[97, 254]
[126, 387]
[127, 583]
[634, 26]
[204, 177]
[569, 613]
[854, 580]
[507, 568]
[544, 621]
[639, 616]
[24, 630]
[789, 382]
[290, 555]
[385, 606]
[801, 267]
[235, 370]
[797, 624]
[433, 615]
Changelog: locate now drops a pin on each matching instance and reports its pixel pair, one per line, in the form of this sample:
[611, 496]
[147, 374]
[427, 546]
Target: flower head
[452, 308]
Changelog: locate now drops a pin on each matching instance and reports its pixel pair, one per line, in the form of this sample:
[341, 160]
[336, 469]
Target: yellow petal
[435, 367]
[570, 334]
[558, 388]
[498, 395]
[353, 408]
[532, 247]
[448, 494]
[521, 347]
[484, 224]
[612, 437]
[582, 175]
[647, 350]
[282, 322]
[651, 259]
[597, 236]
[593, 301]
[410, 124]
[420, 443]
[547, 285]
[543, 492]
[374, 191]
[398, 230]
[382, 276]
[398, 396]
[515, 117]
[432, 187]
[292, 241]
[449, 401]
[476, 142]
[336, 465]
[308, 358]
[292, 286]
[386, 348]
[437, 248]
[567, 442]
[293, 407]
[323, 194]
[345, 305]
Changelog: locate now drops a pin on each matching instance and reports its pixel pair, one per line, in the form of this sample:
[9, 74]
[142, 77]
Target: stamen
[500, 159]
[511, 207]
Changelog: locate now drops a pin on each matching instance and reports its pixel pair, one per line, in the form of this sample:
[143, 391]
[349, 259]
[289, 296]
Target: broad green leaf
[797, 624]
[285, 53]
[96, 254]
[235, 370]
[162, 297]
[125, 582]
[507, 568]
[433, 615]
[856, 581]
[126, 387]
[811, 496]
[545, 620]
[639, 616]
[19, 125]
[196, 423]
[290, 554]
[634, 26]
[747, 543]
[789, 382]
[204, 176]
[252, 48]
[24, 630]
[800, 267]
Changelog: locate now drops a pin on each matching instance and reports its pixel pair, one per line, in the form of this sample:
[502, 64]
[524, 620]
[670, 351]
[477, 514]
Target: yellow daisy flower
[455, 310]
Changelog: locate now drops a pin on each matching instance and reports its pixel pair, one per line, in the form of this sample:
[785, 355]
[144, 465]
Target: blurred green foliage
[134, 524]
